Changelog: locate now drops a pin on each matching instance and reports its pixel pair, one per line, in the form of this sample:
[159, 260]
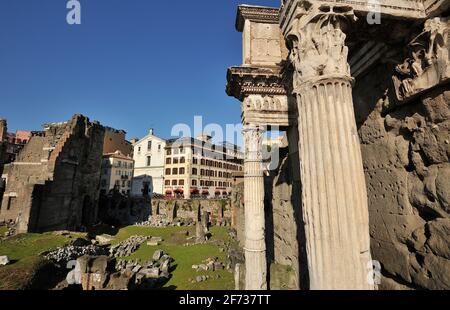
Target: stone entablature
[262, 41]
[395, 9]
[389, 8]
[244, 81]
[263, 96]
[268, 111]
[435, 7]
[258, 14]
[258, 82]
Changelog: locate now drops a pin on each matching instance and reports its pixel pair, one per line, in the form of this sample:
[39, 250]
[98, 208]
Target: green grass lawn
[23, 250]
[3, 230]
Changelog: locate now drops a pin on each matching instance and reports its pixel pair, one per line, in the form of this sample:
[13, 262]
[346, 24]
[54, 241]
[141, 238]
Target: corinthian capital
[317, 42]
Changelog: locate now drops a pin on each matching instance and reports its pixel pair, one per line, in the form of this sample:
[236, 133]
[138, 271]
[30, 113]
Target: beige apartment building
[117, 173]
[198, 168]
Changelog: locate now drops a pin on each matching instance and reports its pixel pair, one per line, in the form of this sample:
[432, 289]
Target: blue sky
[131, 64]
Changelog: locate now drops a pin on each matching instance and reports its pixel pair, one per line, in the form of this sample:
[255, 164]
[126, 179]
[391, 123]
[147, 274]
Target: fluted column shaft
[334, 194]
[255, 246]
[334, 191]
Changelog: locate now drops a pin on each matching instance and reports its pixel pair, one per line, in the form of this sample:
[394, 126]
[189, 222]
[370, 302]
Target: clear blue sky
[131, 64]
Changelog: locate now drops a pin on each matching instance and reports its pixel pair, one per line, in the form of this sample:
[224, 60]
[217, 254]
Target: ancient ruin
[54, 183]
[3, 134]
[364, 174]
[187, 212]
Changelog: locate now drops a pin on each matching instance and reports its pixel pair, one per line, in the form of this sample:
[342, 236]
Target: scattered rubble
[11, 229]
[162, 221]
[234, 256]
[127, 247]
[199, 279]
[63, 255]
[210, 264]
[104, 239]
[154, 241]
[155, 221]
[232, 233]
[105, 273]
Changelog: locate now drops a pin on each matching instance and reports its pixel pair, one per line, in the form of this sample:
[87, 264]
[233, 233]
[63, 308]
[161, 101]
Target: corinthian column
[334, 197]
[255, 245]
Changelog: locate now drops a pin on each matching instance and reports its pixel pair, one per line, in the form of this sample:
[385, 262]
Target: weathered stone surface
[120, 281]
[127, 247]
[151, 273]
[401, 104]
[284, 219]
[104, 239]
[237, 203]
[407, 173]
[120, 210]
[157, 255]
[187, 212]
[53, 184]
[443, 187]
[3, 146]
[93, 272]
[439, 232]
[283, 278]
[433, 272]
[105, 273]
[63, 255]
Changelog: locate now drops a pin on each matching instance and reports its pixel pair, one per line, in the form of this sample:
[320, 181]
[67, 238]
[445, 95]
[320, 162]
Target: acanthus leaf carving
[427, 63]
[318, 47]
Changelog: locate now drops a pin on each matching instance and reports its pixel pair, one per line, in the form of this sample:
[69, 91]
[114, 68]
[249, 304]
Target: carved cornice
[244, 81]
[259, 14]
[436, 7]
[407, 9]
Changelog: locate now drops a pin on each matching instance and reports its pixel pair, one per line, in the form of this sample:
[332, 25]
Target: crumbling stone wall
[406, 150]
[54, 182]
[286, 217]
[237, 210]
[284, 234]
[219, 210]
[119, 210]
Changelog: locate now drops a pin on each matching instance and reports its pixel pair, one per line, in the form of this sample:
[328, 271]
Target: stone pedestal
[334, 196]
[255, 246]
